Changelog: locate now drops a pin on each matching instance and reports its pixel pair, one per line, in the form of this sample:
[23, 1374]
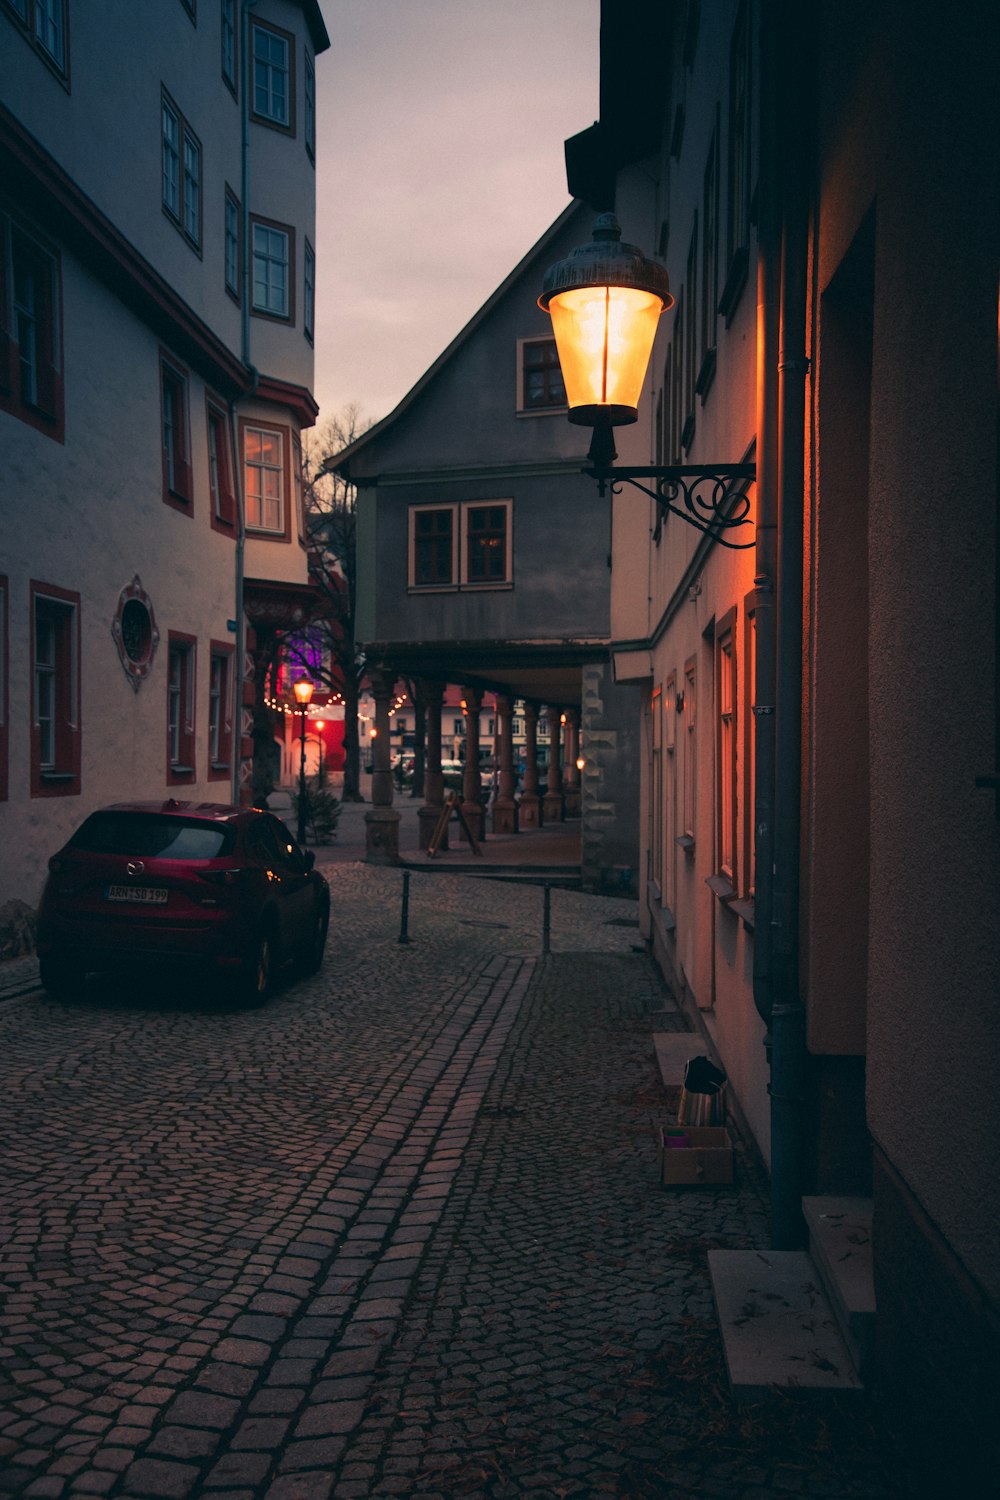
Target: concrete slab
[778, 1329]
[840, 1241]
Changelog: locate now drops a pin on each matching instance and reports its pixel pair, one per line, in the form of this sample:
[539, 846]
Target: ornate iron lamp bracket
[714, 496]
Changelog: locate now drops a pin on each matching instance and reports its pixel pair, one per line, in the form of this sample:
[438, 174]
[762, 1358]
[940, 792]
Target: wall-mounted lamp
[605, 301]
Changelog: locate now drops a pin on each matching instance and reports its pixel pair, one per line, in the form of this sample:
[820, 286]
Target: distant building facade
[157, 284]
[483, 562]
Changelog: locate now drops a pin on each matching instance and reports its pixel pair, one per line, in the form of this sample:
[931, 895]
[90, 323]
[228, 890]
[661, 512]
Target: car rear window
[150, 837]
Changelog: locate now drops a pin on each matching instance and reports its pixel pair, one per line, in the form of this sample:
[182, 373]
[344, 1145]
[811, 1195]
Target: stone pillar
[572, 752]
[382, 821]
[530, 811]
[472, 796]
[429, 814]
[504, 806]
[553, 800]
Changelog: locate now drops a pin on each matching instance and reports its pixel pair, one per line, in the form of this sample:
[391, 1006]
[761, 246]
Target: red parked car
[216, 890]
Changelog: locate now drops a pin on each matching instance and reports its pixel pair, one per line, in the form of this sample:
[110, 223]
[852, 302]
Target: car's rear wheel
[62, 980]
[255, 981]
[312, 958]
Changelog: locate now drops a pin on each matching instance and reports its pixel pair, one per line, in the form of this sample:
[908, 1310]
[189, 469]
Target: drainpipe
[788, 1048]
[239, 659]
[766, 573]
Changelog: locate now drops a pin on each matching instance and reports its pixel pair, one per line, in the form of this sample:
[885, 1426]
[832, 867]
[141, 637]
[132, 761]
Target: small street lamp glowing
[580, 763]
[605, 301]
[303, 690]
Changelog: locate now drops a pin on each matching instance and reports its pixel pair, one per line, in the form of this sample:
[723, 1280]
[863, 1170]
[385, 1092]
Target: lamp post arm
[715, 495]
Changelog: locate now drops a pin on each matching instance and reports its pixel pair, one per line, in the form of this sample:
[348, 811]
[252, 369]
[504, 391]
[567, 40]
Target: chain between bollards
[404, 916]
[547, 918]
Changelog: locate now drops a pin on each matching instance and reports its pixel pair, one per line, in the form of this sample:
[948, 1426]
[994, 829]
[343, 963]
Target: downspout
[788, 1045]
[766, 573]
[240, 654]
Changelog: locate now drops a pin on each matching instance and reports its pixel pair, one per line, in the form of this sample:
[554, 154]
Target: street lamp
[605, 301]
[303, 690]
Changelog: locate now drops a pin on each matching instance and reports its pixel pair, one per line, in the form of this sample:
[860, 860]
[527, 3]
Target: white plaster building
[157, 275]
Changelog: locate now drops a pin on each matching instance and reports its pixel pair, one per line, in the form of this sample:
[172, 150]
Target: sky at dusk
[440, 163]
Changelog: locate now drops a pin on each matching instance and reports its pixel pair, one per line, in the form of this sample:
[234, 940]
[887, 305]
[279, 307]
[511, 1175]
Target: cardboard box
[706, 1161]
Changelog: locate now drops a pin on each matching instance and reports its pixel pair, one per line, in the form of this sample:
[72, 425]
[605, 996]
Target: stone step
[778, 1329]
[840, 1242]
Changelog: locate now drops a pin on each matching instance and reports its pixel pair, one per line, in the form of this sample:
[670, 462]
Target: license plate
[146, 895]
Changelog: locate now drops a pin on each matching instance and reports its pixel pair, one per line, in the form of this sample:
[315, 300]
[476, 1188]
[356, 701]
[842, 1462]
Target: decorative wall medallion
[135, 633]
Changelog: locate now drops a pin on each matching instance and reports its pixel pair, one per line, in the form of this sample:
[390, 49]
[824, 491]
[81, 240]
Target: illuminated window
[486, 549]
[264, 468]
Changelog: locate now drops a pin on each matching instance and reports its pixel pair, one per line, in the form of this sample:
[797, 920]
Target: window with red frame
[30, 337]
[55, 707]
[220, 471]
[177, 487]
[181, 662]
[220, 711]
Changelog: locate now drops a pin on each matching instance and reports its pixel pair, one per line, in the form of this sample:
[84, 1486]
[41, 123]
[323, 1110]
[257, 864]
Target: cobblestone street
[397, 1232]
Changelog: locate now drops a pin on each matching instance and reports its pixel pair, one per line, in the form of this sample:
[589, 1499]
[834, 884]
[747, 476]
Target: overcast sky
[440, 163]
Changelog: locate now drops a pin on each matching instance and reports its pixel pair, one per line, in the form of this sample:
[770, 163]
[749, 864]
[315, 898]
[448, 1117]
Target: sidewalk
[554, 849]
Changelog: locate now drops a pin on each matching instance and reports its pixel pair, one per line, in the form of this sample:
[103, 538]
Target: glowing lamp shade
[605, 300]
[303, 690]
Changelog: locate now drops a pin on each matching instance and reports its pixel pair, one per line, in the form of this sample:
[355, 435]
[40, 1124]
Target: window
[30, 331]
[749, 758]
[220, 471]
[43, 24]
[233, 246]
[265, 480]
[229, 43]
[432, 546]
[272, 82]
[690, 755]
[177, 487]
[4, 694]
[690, 339]
[725, 751]
[486, 556]
[670, 788]
[220, 711]
[181, 167]
[181, 656]
[461, 546]
[656, 828]
[539, 378]
[272, 246]
[55, 709]
[738, 166]
[309, 291]
[298, 489]
[310, 108]
[709, 269]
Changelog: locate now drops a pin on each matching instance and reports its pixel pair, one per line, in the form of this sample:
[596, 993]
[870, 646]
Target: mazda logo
[135, 867]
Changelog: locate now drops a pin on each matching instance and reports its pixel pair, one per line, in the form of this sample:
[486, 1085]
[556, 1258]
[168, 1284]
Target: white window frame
[258, 525]
[432, 588]
[171, 158]
[263, 82]
[277, 293]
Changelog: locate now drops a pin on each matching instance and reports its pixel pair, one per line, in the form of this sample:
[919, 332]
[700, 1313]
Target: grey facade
[464, 439]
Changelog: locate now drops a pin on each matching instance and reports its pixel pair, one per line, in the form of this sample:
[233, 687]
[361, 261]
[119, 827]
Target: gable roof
[341, 462]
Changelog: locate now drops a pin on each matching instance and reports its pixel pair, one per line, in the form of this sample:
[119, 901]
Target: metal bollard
[547, 918]
[404, 917]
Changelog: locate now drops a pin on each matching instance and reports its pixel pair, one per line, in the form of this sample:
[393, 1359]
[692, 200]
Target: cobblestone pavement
[398, 1232]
